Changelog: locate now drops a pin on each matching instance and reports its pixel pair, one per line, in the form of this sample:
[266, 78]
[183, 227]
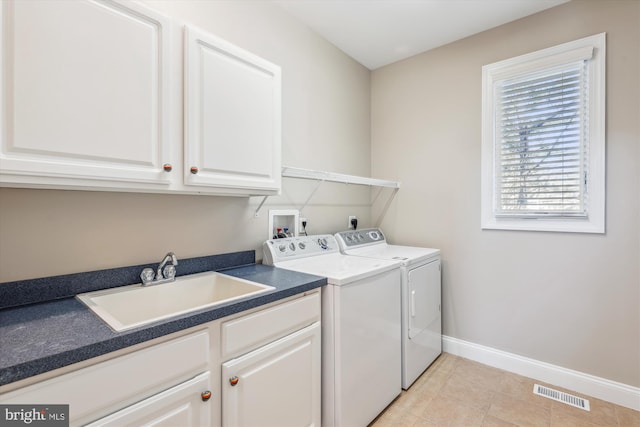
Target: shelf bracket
[378, 221]
[256, 214]
[318, 184]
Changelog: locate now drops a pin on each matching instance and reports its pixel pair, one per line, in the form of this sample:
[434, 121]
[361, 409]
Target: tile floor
[460, 392]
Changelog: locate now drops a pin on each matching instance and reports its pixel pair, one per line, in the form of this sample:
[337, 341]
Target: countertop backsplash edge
[31, 291]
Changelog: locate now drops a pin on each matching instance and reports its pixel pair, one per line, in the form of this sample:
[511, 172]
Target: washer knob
[323, 243]
[282, 248]
[302, 245]
[292, 246]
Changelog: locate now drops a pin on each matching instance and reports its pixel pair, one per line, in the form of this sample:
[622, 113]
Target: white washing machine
[361, 355]
[421, 296]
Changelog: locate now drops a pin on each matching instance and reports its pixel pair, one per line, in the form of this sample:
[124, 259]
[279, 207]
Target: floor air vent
[560, 396]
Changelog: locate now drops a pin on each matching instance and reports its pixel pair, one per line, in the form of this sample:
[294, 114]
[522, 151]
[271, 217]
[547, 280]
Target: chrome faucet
[164, 273]
[167, 271]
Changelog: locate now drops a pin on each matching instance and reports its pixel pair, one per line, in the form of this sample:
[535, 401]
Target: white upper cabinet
[91, 93]
[232, 116]
[85, 100]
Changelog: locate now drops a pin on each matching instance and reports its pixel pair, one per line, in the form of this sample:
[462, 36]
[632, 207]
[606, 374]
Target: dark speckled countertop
[43, 336]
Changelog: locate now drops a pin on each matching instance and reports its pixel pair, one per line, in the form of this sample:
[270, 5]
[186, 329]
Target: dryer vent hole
[560, 396]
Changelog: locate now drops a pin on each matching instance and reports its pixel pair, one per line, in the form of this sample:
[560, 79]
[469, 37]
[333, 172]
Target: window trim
[524, 64]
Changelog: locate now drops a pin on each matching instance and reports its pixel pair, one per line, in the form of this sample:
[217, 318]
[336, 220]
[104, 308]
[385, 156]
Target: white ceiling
[379, 32]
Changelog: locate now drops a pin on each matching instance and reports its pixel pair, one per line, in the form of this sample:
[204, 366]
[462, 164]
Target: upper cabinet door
[232, 117]
[84, 94]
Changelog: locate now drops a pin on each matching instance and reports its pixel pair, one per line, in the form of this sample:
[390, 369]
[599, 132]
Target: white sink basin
[127, 307]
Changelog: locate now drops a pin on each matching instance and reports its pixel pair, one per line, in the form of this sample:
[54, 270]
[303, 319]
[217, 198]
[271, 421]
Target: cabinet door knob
[194, 170]
[167, 167]
[206, 395]
[234, 380]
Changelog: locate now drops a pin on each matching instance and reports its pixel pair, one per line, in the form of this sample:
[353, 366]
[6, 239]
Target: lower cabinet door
[185, 405]
[277, 385]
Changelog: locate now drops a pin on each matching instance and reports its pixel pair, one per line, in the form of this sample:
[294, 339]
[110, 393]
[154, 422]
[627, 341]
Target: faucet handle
[169, 272]
[147, 275]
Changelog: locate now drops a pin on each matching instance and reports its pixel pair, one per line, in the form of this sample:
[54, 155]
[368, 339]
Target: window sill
[571, 225]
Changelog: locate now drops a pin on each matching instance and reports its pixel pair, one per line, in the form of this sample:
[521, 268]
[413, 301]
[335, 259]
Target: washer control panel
[351, 239]
[275, 250]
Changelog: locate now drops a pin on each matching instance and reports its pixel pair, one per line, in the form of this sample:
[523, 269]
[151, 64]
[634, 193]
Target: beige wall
[572, 300]
[567, 299]
[326, 109]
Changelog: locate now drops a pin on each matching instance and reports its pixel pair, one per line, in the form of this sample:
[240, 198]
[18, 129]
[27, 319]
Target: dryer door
[424, 300]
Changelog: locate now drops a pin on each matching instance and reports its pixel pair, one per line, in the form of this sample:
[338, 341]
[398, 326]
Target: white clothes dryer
[421, 295]
[361, 354]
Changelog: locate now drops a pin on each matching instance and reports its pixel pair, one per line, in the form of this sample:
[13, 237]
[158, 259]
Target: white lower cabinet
[276, 385]
[136, 381]
[184, 381]
[272, 365]
[183, 405]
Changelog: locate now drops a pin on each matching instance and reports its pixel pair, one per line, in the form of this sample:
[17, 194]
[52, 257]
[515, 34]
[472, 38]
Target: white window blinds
[542, 143]
[543, 139]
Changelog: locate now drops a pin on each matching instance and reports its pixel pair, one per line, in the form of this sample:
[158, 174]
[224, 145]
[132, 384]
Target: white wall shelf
[322, 176]
[291, 172]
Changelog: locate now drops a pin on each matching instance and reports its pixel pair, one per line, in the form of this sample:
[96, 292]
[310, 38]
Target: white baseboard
[600, 388]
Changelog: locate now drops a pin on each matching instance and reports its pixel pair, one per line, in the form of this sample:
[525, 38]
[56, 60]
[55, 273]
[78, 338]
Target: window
[543, 139]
